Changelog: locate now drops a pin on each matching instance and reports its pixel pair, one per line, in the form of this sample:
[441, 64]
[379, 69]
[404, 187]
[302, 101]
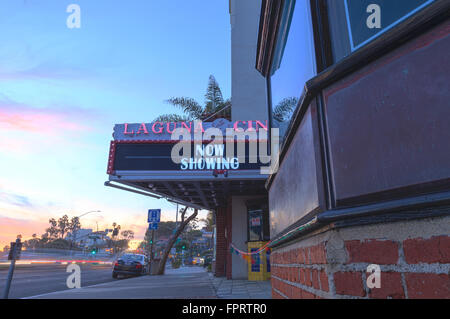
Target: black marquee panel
[157, 157]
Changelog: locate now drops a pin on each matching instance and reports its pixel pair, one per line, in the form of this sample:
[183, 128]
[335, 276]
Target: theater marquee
[199, 167]
[148, 149]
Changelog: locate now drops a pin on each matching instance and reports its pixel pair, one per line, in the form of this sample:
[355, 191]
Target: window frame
[322, 32]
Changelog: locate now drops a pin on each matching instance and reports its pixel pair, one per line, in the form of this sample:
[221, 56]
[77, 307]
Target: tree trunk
[173, 239]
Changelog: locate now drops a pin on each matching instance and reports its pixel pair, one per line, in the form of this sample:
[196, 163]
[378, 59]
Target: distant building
[86, 237]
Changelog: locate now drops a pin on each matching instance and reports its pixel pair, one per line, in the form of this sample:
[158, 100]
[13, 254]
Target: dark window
[293, 62]
[258, 222]
[355, 23]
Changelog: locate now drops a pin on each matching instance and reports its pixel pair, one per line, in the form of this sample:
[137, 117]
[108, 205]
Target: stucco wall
[248, 86]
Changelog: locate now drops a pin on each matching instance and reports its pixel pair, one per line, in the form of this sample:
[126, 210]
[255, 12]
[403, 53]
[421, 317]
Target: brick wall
[334, 265]
[221, 243]
[223, 239]
[229, 240]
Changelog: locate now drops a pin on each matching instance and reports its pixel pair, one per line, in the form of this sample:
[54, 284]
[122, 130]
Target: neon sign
[158, 128]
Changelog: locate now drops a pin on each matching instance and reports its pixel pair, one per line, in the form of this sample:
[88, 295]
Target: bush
[176, 263]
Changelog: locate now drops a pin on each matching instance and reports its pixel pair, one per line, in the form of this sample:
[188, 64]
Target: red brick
[433, 250]
[302, 276]
[372, 251]
[301, 256]
[318, 255]
[349, 283]
[276, 295]
[307, 295]
[275, 283]
[293, 256]
[308, 281]
[428, 286]
[307, 255]
[273, 258]
[324, 281]
[444, 248]
[296, 274]
[287, 290]
[315, 278]
[391, 287]
[296, 293]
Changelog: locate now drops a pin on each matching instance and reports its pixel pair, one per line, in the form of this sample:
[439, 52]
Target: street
[32, 280]
[181, 283]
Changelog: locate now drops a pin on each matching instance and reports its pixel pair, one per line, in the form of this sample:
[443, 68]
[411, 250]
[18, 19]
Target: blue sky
[62, 90]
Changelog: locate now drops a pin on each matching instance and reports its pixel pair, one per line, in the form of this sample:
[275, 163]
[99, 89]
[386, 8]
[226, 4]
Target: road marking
[66, 290]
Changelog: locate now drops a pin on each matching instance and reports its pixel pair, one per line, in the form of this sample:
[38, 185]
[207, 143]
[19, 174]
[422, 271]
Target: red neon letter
[142, 128]
[185, 125]
[160, 128]
[125, 131]
[250, 126]
[258, 123]
[236, 128]
[199, 125]
[174, 127]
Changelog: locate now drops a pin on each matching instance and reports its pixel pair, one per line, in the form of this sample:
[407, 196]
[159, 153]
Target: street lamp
[75, 232]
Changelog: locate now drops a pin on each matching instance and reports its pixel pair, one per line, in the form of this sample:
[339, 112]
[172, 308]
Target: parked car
[207, 260]
[130, 265]
[198, 261]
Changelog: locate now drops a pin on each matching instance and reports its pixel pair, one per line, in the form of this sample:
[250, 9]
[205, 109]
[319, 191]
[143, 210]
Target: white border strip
[347, 14]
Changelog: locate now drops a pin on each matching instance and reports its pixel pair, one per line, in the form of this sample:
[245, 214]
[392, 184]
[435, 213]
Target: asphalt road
[182, 283]
[40, 279]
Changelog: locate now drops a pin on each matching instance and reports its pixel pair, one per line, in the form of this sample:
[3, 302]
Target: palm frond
[188, 105]
[172, 118]
[283, 111]
[213, 96]
[214, 105]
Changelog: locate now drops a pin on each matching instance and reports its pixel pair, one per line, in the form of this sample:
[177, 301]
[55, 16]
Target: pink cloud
[24, 118]
[11, 227]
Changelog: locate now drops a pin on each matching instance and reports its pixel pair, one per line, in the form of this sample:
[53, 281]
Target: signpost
[154, 217]
[14, 254]
[153, 226]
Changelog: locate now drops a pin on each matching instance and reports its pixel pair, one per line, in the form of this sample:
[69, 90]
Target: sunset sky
[62, 90]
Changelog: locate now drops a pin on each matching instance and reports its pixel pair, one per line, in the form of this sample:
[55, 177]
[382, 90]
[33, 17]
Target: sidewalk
[241, 289]
[182, 283]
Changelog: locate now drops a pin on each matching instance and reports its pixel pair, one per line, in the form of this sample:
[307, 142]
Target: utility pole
[14, 254]
[74, 235]
[176, 217]
[151, 251]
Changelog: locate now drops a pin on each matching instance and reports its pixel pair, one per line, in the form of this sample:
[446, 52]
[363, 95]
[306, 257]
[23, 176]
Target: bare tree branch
[174, 237]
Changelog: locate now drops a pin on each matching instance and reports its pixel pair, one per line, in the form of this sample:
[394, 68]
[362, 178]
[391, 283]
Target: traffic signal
[183, 247]
[15, 247]
[94, 251]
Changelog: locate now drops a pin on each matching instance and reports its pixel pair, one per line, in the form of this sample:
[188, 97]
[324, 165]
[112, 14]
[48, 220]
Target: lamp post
[75, 232]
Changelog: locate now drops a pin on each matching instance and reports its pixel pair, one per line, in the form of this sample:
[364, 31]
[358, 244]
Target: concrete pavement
[182, 283]
[241, 289]
[31, 280]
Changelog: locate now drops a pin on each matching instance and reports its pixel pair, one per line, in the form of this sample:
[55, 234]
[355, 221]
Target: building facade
[364, 168]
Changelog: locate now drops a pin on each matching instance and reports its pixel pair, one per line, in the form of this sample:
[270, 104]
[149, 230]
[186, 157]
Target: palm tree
[215, 105]
[284, 110]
